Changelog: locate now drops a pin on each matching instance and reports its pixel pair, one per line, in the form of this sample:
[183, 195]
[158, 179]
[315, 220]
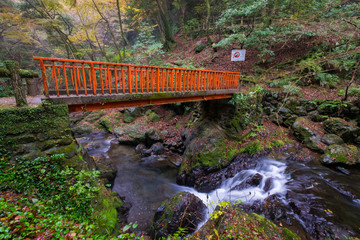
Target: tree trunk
[123, 37]
[164, 14]
[16, 81]
[207, 23]
[109, 28]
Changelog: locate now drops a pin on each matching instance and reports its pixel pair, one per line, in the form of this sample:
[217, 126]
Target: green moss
[34, 120]
[154, 117]
[277, 143]
[105, 208]
[93, 116]
[104, 124]
[218, 154]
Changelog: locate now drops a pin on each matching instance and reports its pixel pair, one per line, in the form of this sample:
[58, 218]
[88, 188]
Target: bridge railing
[63, 77]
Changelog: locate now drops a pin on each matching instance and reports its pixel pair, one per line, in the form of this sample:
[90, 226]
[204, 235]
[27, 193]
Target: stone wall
[44, 130]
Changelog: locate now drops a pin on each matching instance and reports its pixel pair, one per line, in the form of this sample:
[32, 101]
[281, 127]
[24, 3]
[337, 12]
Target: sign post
[238, 55]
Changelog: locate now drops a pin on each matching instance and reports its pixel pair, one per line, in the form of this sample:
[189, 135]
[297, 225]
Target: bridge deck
[88, 85]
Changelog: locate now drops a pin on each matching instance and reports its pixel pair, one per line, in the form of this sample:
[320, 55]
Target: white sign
[238, 55]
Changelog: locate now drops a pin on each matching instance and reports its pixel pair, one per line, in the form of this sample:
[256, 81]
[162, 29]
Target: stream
[321, 201]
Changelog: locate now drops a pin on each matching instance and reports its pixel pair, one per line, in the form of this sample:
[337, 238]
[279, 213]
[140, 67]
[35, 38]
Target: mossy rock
[104, 124]
[199, 48]
[41, 119]
[94, 116]
[82, 129]
[311, 139]
[330, 139]
[183, 210]
[131, 114]
[154, 117]
[232, 223]
[346, 130]
[340, 154]
[329, 108]
[105, 207]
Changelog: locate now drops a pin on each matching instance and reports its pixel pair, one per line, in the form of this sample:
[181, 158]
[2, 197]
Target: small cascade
[247, 186]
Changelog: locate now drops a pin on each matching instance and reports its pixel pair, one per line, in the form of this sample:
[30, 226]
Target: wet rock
[303, 132]
[140, 147]
[211, 178]
[156, 161]
[268, 184]
[175, 159]
[347, 131]
[252, 181]
[338, 154]
[157, 148]
[146, 152]
[183, 210]
[343, 170]
[330, 139]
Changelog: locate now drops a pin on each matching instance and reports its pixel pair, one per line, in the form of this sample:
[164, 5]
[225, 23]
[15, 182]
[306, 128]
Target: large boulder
[131, 114]
[136, 134]
[232, 223]
[339, 154]
[184, 210]
[346, 130]
[330, 139]
[306, 132]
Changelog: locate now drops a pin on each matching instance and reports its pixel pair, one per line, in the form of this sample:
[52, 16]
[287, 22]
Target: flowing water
[311, 190]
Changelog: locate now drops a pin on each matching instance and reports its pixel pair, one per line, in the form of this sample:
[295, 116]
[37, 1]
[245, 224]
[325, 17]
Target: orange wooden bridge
[89, 85]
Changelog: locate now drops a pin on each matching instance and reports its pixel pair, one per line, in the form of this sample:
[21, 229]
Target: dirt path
[10, 101]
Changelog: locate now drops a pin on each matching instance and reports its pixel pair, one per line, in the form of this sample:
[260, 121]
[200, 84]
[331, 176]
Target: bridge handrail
[113, 77]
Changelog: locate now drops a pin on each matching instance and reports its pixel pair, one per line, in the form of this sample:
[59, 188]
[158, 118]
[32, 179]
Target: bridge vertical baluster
[65, 79]
[202, 80]
[105, 79]
[191, 80]
[84, 77]
[52, 75]
[205, 80]
[141, 79]
[186, 82]
[59, 75]
[123, 78]
[75, 79]
[147, 79]
[78, 77]
[198, 80]
[209, 81]
[129, 79]
[167, 80]
[101, 79]
[136, 79]
[116, 80]
[110, 79]
[220, 80]
[94, 79]
[171, 77]
[90, 79]
[157, 80]
[196, 83]
[55, 78]
[44, 77]
[163, 79]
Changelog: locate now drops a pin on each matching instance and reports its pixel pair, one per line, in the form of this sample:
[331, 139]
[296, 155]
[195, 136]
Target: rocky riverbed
[310, 192]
